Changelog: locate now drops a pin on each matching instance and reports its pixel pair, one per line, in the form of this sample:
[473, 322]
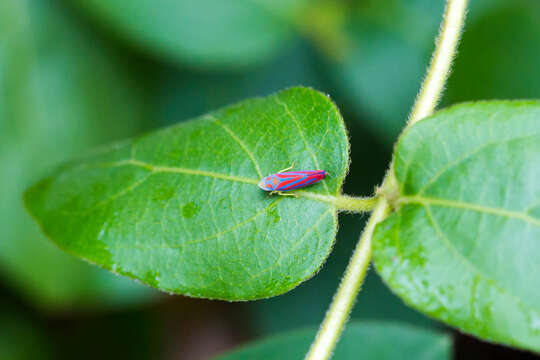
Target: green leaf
[62, 88]
[306, 305]
[179, 209]
[464, 245]
[368, 340]
[203, 33]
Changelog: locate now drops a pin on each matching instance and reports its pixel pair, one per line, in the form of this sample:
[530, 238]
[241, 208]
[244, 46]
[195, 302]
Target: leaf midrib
[425, 200]
[203, 239]
[239, 142]
[328, 199]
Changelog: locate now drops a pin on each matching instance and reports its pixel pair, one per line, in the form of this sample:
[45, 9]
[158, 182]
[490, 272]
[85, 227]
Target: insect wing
[288, 181]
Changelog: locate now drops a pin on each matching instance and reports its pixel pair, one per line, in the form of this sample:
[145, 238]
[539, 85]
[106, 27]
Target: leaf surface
[464, 246]
[307, 304]
[369, 340]
[179, 209]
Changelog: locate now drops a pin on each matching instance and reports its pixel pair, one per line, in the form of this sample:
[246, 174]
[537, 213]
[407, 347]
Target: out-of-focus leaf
[179, 209]
[385, 50]
[378, 73]
[184, 94]
[20, 340]
[366, 340]
[59, 94]
[203, 33]
[464, 245]
[499, 55]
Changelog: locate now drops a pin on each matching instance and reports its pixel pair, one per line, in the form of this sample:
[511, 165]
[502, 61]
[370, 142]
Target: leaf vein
[468, 262]
[209, 237]
[241, 143]
[464, 157]
[295, 245]
[425, 201]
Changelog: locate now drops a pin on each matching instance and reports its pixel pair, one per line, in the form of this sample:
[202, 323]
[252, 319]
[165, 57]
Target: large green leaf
[367, 340]
[207, 33]
[464, 245]
[60, 93]
[179, 209]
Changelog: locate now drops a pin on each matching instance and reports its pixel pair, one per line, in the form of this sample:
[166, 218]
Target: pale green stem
[343, 202]
[344, 299]
[427, 99]
[441, 62]
[355, 204]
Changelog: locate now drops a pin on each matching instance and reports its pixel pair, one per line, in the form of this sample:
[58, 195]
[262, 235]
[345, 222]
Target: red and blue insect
[286, 180]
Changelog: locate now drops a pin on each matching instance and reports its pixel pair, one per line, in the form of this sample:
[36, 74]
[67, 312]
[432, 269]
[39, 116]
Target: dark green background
[75, 76]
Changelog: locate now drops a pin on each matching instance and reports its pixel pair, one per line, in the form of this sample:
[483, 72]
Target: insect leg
[286, 194]
[287, 169]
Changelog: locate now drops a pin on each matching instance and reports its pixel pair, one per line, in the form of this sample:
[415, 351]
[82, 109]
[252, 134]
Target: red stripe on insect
[291, 180]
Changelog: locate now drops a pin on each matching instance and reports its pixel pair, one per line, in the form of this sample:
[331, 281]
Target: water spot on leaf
[163, 193]
[417, 256]
[102, 231]
[273, 215]
[152, 278]
[102, 250]
[175, 154]
[41, 187]
[534, 322]
[98, 189]
[190, 210]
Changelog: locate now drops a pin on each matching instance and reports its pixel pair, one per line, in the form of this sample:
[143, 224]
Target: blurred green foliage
[20, 339]
[203, 33]
[61, 94]
[73, 76]
[368, 340]
[499, 56]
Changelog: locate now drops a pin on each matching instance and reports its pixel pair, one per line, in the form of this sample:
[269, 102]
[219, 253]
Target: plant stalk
[426, 101]
[343, 202]
[441, 61]
[344, 299]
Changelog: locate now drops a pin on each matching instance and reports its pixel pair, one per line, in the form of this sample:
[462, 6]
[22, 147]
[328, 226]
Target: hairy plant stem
[355, 204]
[348, 289]
[425, 103]
[343, 202]
[441, 61]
